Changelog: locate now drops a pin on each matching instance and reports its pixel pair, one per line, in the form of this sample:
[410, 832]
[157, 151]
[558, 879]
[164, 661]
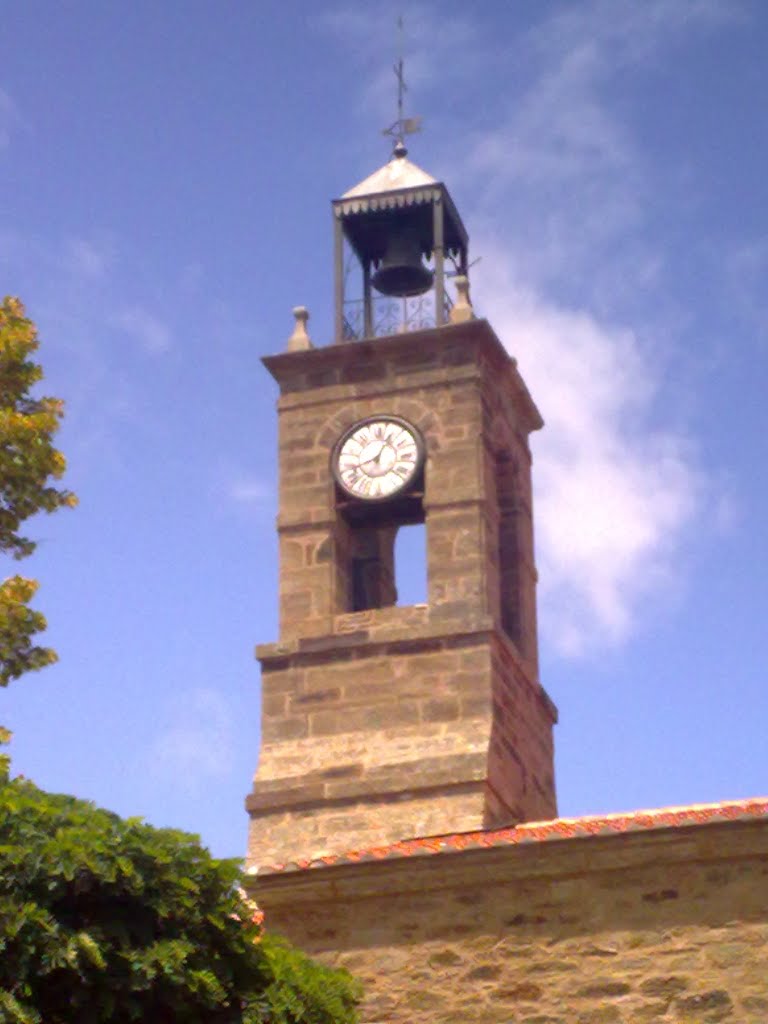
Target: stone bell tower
[383, 722]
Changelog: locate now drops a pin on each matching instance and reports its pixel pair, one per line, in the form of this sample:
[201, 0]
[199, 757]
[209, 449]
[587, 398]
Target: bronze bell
[401, 272]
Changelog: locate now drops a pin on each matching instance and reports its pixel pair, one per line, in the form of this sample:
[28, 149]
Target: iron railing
[392, 315]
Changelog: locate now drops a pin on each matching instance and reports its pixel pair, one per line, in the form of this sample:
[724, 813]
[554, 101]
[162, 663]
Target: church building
[403, 817]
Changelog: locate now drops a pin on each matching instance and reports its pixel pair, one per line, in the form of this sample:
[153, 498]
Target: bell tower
[380, 721]
[391, 221]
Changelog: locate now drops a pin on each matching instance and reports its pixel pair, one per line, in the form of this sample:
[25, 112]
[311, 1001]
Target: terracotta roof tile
[541, 831]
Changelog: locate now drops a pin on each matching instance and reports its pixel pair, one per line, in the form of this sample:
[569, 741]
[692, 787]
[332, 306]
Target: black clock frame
[407, 485]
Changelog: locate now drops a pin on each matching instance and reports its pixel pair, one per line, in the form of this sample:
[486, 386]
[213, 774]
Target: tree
[103, 919]
[29, 462]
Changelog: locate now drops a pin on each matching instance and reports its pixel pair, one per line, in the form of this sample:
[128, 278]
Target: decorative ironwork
[403, 125]
[390, 221]
[353, 321]
[393, 315]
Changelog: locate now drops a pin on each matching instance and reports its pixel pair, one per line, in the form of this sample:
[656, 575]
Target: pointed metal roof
[398, 173]
[397, 190]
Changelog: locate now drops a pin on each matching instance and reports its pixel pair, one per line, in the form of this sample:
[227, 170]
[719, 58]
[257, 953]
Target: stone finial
[300, 340]
[461, 310]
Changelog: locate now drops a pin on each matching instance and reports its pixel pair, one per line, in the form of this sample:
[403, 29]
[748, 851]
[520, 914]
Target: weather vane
[403, 125]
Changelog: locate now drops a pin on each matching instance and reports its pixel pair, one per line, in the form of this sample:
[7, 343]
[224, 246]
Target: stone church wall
[666, 925]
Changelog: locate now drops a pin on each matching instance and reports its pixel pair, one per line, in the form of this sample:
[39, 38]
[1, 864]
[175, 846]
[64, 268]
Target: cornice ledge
[406, 636]
[572, 847]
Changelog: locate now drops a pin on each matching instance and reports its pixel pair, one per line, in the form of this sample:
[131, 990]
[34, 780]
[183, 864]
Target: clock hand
[375, 460]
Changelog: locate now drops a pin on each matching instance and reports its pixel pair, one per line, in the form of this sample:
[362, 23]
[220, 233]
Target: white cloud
[613, 488]
[569, 276]
[87, 258]
[251, 490]
[196, 745]
[429, 44]
[627, 32]
[561, 158]
[616, 484]
[746, 272]
[150, 332]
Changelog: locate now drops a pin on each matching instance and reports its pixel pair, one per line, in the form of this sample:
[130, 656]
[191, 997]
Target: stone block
[544, 933]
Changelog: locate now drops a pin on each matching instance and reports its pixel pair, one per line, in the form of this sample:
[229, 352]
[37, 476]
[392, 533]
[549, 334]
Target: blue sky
[165, 177]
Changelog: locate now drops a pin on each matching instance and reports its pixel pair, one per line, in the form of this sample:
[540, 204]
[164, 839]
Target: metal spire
[403, 125]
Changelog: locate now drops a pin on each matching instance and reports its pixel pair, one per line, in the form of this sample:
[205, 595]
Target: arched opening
[411, 564]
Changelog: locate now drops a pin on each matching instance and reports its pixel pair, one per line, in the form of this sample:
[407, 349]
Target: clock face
[377, 458]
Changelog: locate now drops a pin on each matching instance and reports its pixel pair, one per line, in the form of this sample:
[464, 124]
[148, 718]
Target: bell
[401, 272]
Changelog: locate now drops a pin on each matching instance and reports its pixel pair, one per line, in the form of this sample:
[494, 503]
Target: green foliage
[103, 919]
[28, 463]
[301, 991]
[28, 458]
[18, 625]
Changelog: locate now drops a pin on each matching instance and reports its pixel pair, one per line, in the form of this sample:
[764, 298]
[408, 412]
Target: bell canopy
[399, 172]
[392, 221]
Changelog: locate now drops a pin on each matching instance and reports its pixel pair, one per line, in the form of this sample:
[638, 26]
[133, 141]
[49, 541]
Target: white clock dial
[377, 458]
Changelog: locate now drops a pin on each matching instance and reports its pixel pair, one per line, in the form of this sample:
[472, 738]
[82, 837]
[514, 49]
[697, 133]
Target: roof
[558, 829]
[398, 173]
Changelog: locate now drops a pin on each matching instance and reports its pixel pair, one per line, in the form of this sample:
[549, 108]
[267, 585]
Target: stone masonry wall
[395, 721]
[521, 748]
[387, 740]
[362, 746]
[302, 833]
[667, 927]
[461, 390]
[444, 406]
